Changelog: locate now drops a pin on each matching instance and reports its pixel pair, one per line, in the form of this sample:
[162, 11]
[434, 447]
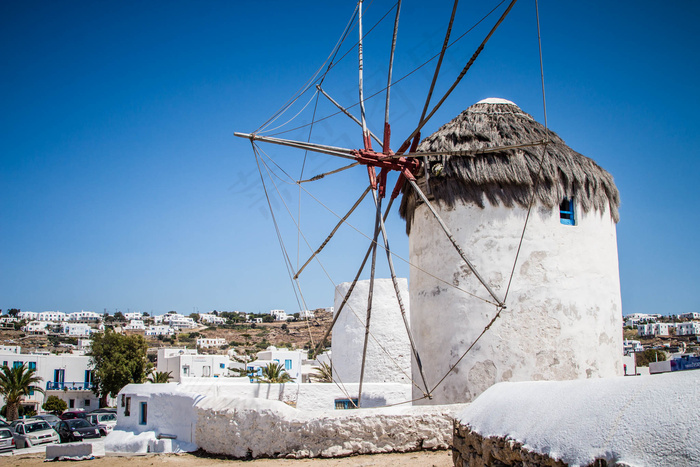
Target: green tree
[13, 312]
[118, 360]
[55, 405]
[650, 355]
[15, 383]
[268, 319]
[195, 317]
[274, 373]
[159, 377]
[323, 373]
[119, 316]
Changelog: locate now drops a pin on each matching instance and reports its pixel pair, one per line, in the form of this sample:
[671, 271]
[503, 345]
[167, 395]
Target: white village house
[28, 315]
[85, 317]
[691, 328]
[290, 360]
[76, 329]
[52, 316]
[206, 342]
[66, 376]
[654, 329]
[206, 318]
[135, 325]
[187, 363]
[36, 327]
[279, 315]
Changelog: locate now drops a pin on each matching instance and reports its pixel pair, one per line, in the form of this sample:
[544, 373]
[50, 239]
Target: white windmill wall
[563, 318]
[391, 365]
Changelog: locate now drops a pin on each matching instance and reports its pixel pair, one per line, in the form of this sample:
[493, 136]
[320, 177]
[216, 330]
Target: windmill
[425, 178]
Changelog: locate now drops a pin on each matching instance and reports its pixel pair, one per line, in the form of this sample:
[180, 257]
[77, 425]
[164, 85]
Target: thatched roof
[508, 177]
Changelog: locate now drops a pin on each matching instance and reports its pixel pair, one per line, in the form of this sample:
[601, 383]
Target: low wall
[636, 420]
[469, 449]
[247, 428]
[305, 396]
[253, 420]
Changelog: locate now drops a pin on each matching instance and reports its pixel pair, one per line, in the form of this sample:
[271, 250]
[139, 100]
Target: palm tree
[158, 377]
[15, 383]
[323, 373]
[274, 373]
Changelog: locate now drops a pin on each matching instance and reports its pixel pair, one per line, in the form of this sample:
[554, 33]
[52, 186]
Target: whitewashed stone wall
[390, 364]
[246, 428]
[563, 318]
[238, 425]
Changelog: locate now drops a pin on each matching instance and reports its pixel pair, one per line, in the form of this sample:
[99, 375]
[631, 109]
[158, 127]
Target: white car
[32, 432]
[105, 421]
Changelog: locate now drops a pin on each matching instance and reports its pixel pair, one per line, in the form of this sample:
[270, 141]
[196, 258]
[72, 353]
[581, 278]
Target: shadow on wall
[368, 402]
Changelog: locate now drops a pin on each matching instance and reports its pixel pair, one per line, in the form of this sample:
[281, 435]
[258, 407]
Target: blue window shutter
[566, 212]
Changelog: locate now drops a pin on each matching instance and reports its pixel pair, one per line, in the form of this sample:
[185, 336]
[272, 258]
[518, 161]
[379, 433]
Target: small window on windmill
[566, 212]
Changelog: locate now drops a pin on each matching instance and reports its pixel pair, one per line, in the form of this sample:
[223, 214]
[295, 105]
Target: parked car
[7, 439]
[105, 410]
[72, 414]
[77, 429]
[31, 432]
[48, 418]
[105, 421]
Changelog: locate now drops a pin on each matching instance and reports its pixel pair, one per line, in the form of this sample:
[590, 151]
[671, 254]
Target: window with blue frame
[143, 413]
[287, 364]
[4, 363]
[17, 364]
[32, 365]
[566, 212]
[344, 404]
[222, 365]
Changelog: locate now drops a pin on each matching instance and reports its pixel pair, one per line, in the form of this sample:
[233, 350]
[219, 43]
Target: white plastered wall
[390, 362]
[563, 318]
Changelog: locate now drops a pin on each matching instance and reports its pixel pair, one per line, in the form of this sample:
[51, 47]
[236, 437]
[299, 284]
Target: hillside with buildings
[216, 332]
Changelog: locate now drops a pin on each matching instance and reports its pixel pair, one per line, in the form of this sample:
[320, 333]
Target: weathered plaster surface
[563, 318]
[257, 428]
[625, 421]
[388, 349]
[245, 426]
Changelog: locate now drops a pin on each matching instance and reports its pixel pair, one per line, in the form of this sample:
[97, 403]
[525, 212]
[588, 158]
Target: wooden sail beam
[346, 112]
[387, 126]
[361, 86]
[370, 295]
[313, 147]
[466, 68]
[402, 308]
[352, 286]
[472, 152]
[447, 231]
[325, 242]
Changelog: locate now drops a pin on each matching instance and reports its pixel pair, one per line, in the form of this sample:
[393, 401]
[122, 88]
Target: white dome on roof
[495, 100]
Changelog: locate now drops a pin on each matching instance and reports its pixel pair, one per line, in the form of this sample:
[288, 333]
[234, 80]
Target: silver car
[32, 432]
[7, 441]
[105, 421]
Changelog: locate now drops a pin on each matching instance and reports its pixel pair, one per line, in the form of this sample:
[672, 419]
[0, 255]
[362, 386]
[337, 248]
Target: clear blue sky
[123, 187]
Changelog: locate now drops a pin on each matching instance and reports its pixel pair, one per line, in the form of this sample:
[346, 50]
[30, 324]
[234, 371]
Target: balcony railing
[69, 385]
